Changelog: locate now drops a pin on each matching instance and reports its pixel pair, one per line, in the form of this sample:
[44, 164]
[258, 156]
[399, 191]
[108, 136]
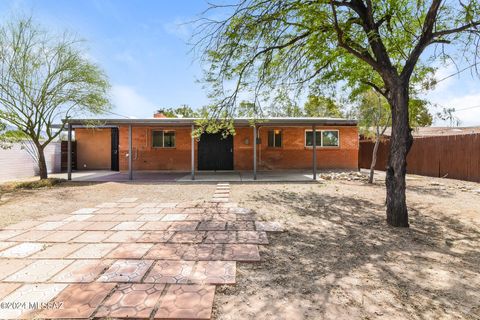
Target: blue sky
[142, 46]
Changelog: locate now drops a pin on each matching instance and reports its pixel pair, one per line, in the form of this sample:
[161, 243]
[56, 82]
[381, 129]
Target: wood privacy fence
[455, 156]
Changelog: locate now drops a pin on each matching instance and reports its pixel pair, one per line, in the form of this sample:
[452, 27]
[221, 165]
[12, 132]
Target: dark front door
[215, 152]
[115, 166]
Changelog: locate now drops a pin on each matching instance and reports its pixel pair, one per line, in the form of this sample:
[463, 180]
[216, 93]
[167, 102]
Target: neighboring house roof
[439, 131]
[237, 121]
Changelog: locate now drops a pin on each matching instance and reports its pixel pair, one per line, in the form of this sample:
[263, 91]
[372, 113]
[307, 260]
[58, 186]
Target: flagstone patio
[127, 258]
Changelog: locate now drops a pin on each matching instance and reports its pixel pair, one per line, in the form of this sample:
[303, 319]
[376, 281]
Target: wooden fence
[455, 156]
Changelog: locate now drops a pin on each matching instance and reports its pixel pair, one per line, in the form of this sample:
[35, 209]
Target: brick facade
[291, 155]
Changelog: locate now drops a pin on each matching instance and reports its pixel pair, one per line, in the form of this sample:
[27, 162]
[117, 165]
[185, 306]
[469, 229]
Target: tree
[319, 106]
[357, 44]
[448, 114]
[374, 119]
[44, 79]
[184, 111]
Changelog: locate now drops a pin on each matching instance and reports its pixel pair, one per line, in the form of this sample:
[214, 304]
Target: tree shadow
[339, 259]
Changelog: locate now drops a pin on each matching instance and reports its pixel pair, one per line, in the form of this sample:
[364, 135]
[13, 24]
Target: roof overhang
[238, 122]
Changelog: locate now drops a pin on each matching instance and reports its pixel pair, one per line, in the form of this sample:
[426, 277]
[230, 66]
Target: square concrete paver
[214, 272]
[75, 225]
[212, 225]
[174, 217]
[221, 237]
[30, 293]
[200, 252]
[156, 236]
[241, 225]
[183, 226]
[166, 251]
[93, 236]
[32, 235]
[186, 302]
[107, 205]
[7, 288]
[93, 251]
[23, 225]
[130, 251]
[129, 225]
[10, 266]
[131, 300]
[187, 237]
[79, 301]
[167, 205]
[126, 271]
[61, 236]
[254, 237]
[124, 236]
[241, 252]
[156, 226]
[22, 250]
[150, 217]
[151, 211]
[77, 217]
[170, 271]
[101, 226]
[57, 251]
[148, 205]
[49, 225]
[38, 271]
[7, 234]
[107, 210]
[82, 271]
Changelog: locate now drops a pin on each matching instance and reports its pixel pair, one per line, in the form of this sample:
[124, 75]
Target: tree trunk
[42, 165]
[374, 159]
[400, 143]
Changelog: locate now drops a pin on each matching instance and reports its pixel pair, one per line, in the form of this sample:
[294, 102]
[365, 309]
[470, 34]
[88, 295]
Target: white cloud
[128, 102]
[180, 28]
[470, 116]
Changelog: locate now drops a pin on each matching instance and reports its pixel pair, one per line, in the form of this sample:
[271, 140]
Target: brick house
[166, 144]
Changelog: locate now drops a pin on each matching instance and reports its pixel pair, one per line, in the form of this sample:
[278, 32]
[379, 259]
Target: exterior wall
[146, 157]
[292, 155]
[17, 163]
[94, 149]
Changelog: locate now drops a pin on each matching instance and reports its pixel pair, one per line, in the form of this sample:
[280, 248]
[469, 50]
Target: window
[275, 138]
[324, 138]
[163, 139]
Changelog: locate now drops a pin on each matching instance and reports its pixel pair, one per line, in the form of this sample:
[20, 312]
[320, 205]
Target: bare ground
[339, 259]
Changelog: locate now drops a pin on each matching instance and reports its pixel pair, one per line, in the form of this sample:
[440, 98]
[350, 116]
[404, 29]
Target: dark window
[275, 138]
[309, 138]
[330, 138]
[163, 139]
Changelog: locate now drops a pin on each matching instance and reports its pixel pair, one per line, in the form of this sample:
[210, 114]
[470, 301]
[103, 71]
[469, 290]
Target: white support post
[254, 152]
[193, 153]
[130, 153]
[69, 152]
[314, 150]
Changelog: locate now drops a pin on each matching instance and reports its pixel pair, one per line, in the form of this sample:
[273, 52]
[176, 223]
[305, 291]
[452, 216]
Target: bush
[44, 183]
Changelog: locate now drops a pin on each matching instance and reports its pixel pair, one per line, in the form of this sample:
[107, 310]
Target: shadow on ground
[339, 259]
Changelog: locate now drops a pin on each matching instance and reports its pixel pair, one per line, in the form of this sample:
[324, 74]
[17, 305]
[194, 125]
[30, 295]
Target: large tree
[320, 106]
[358, 44]
[45, 79]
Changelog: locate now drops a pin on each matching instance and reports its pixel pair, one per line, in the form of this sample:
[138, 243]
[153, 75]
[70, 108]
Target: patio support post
[314, 150]
[254, 152]
[69, 152]
[193, 154]
[130, 153]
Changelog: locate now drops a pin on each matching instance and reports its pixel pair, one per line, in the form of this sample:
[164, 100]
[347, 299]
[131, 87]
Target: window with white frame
[163, 139]
[324, 138]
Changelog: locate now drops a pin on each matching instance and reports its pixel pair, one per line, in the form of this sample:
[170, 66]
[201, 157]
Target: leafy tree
[319, 106]
[419, 116]
[45, 78]
[359, 44]
[184, 111]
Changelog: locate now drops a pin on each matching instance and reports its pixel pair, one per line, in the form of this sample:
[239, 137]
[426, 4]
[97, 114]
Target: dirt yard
[338, 259]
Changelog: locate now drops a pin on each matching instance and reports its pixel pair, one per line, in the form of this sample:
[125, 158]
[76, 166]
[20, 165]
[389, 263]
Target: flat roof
[192, 121]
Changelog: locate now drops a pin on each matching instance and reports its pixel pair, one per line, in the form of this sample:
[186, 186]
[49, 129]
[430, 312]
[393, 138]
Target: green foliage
[44, 183]
[419, 115]
[318, 106]
[8, 137]
[184, 111]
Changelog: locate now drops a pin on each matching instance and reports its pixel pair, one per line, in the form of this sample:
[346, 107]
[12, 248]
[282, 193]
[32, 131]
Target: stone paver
[39, 271]
[131, 300]
[57, 251]
[165, 271]
[79, 300]
[93, 251]
[10, 266]
[186, 302]
[130, 251]
[129, 258]
[22, 250]
[82, 271]
[214, 272]
[126, 271]
[28, 293]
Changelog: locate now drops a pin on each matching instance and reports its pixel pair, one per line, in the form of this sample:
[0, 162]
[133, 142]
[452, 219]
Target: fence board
[455, 156]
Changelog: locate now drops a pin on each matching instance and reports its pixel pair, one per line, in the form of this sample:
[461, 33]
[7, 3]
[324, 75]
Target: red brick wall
[292, 155]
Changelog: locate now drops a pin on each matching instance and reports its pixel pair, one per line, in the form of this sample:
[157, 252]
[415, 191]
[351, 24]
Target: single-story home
[162, 143]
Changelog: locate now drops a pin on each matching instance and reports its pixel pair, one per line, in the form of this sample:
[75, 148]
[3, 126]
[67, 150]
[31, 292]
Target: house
[162, 143]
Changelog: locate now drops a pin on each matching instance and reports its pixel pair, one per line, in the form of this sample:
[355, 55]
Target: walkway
[127, 259]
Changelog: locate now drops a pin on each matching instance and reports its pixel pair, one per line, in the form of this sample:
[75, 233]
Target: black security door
[115, 166]
[215, 152]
